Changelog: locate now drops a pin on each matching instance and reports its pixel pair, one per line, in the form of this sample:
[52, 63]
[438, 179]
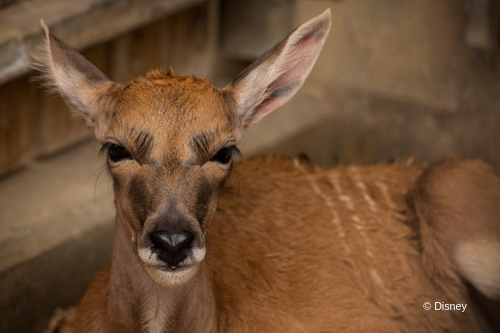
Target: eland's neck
[140, 303]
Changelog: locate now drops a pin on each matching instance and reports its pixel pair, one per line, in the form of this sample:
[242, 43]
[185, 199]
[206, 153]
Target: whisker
[100, 171]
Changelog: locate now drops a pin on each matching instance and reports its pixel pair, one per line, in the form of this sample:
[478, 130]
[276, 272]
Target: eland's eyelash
[104, 148]
[235, 151]
[115, 152]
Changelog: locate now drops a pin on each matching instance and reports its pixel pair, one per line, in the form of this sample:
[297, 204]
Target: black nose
[172, 246]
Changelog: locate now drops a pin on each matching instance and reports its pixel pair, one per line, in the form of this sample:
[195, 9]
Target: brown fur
[279, 245]
[457, 207]
[275, 268]
[271, 256]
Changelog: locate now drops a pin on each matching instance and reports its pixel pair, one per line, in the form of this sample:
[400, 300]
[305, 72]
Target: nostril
[173, 239]
[172, 247]
[166, 240]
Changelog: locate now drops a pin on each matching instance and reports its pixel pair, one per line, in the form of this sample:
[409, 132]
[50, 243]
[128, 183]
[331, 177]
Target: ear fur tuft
[82, 85]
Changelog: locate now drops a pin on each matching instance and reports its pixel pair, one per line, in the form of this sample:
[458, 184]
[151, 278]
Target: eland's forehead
[163, 96]
[169, 112]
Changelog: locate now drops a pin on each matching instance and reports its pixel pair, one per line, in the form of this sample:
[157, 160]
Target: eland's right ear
[82, 85]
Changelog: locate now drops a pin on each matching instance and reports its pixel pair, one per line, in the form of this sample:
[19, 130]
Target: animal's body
[340, 256]
[343, 254]
[271, 244]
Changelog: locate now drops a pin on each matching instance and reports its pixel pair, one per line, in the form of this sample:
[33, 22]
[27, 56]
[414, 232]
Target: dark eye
[223, 156]
[117, 153]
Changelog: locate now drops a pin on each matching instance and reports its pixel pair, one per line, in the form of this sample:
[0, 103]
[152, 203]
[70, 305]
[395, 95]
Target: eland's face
[169, 146]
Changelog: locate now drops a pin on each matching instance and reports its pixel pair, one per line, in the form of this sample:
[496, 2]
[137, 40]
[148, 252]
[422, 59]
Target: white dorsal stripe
[374, 209]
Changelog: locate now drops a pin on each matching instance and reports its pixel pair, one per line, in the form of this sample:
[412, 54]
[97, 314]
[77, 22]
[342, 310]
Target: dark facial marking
[140, 199]
[171, 218]
[202, 145]
[142, 142]
[204, 195]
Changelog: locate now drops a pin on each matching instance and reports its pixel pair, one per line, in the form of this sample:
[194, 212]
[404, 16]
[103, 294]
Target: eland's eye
[223, 156]
[117, 153]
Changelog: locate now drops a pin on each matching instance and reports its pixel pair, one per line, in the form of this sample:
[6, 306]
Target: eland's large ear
[82, 85]
[277, 75]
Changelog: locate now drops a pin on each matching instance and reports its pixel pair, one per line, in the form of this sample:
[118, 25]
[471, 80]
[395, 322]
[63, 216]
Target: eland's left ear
[277, 75]
[82, 85]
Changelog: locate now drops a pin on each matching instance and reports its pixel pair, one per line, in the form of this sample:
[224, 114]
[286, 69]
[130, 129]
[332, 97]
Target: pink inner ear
[296, 62]
[306, 39]
[264, 108]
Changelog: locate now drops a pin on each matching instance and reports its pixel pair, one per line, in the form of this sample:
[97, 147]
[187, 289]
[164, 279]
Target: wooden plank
[80, 23]
[138, 52]
[482, 24]
[58, 128]
[185, 41]
[249, 28]
[18, 123]
[192, 41]
[5, 3]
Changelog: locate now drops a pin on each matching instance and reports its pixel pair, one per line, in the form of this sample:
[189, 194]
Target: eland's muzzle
[172, 247]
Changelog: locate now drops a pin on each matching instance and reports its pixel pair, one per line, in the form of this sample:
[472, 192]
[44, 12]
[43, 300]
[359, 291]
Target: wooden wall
[35, 125]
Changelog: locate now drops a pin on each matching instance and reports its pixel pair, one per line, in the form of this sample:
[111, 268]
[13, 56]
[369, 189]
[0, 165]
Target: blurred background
[395, 79]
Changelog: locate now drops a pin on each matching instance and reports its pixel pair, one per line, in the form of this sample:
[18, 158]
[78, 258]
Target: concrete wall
[399, 79]
[395, 79]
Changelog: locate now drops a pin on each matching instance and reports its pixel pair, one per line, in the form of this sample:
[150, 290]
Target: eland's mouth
[153, 259]
[174, 269]
[170, 275]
